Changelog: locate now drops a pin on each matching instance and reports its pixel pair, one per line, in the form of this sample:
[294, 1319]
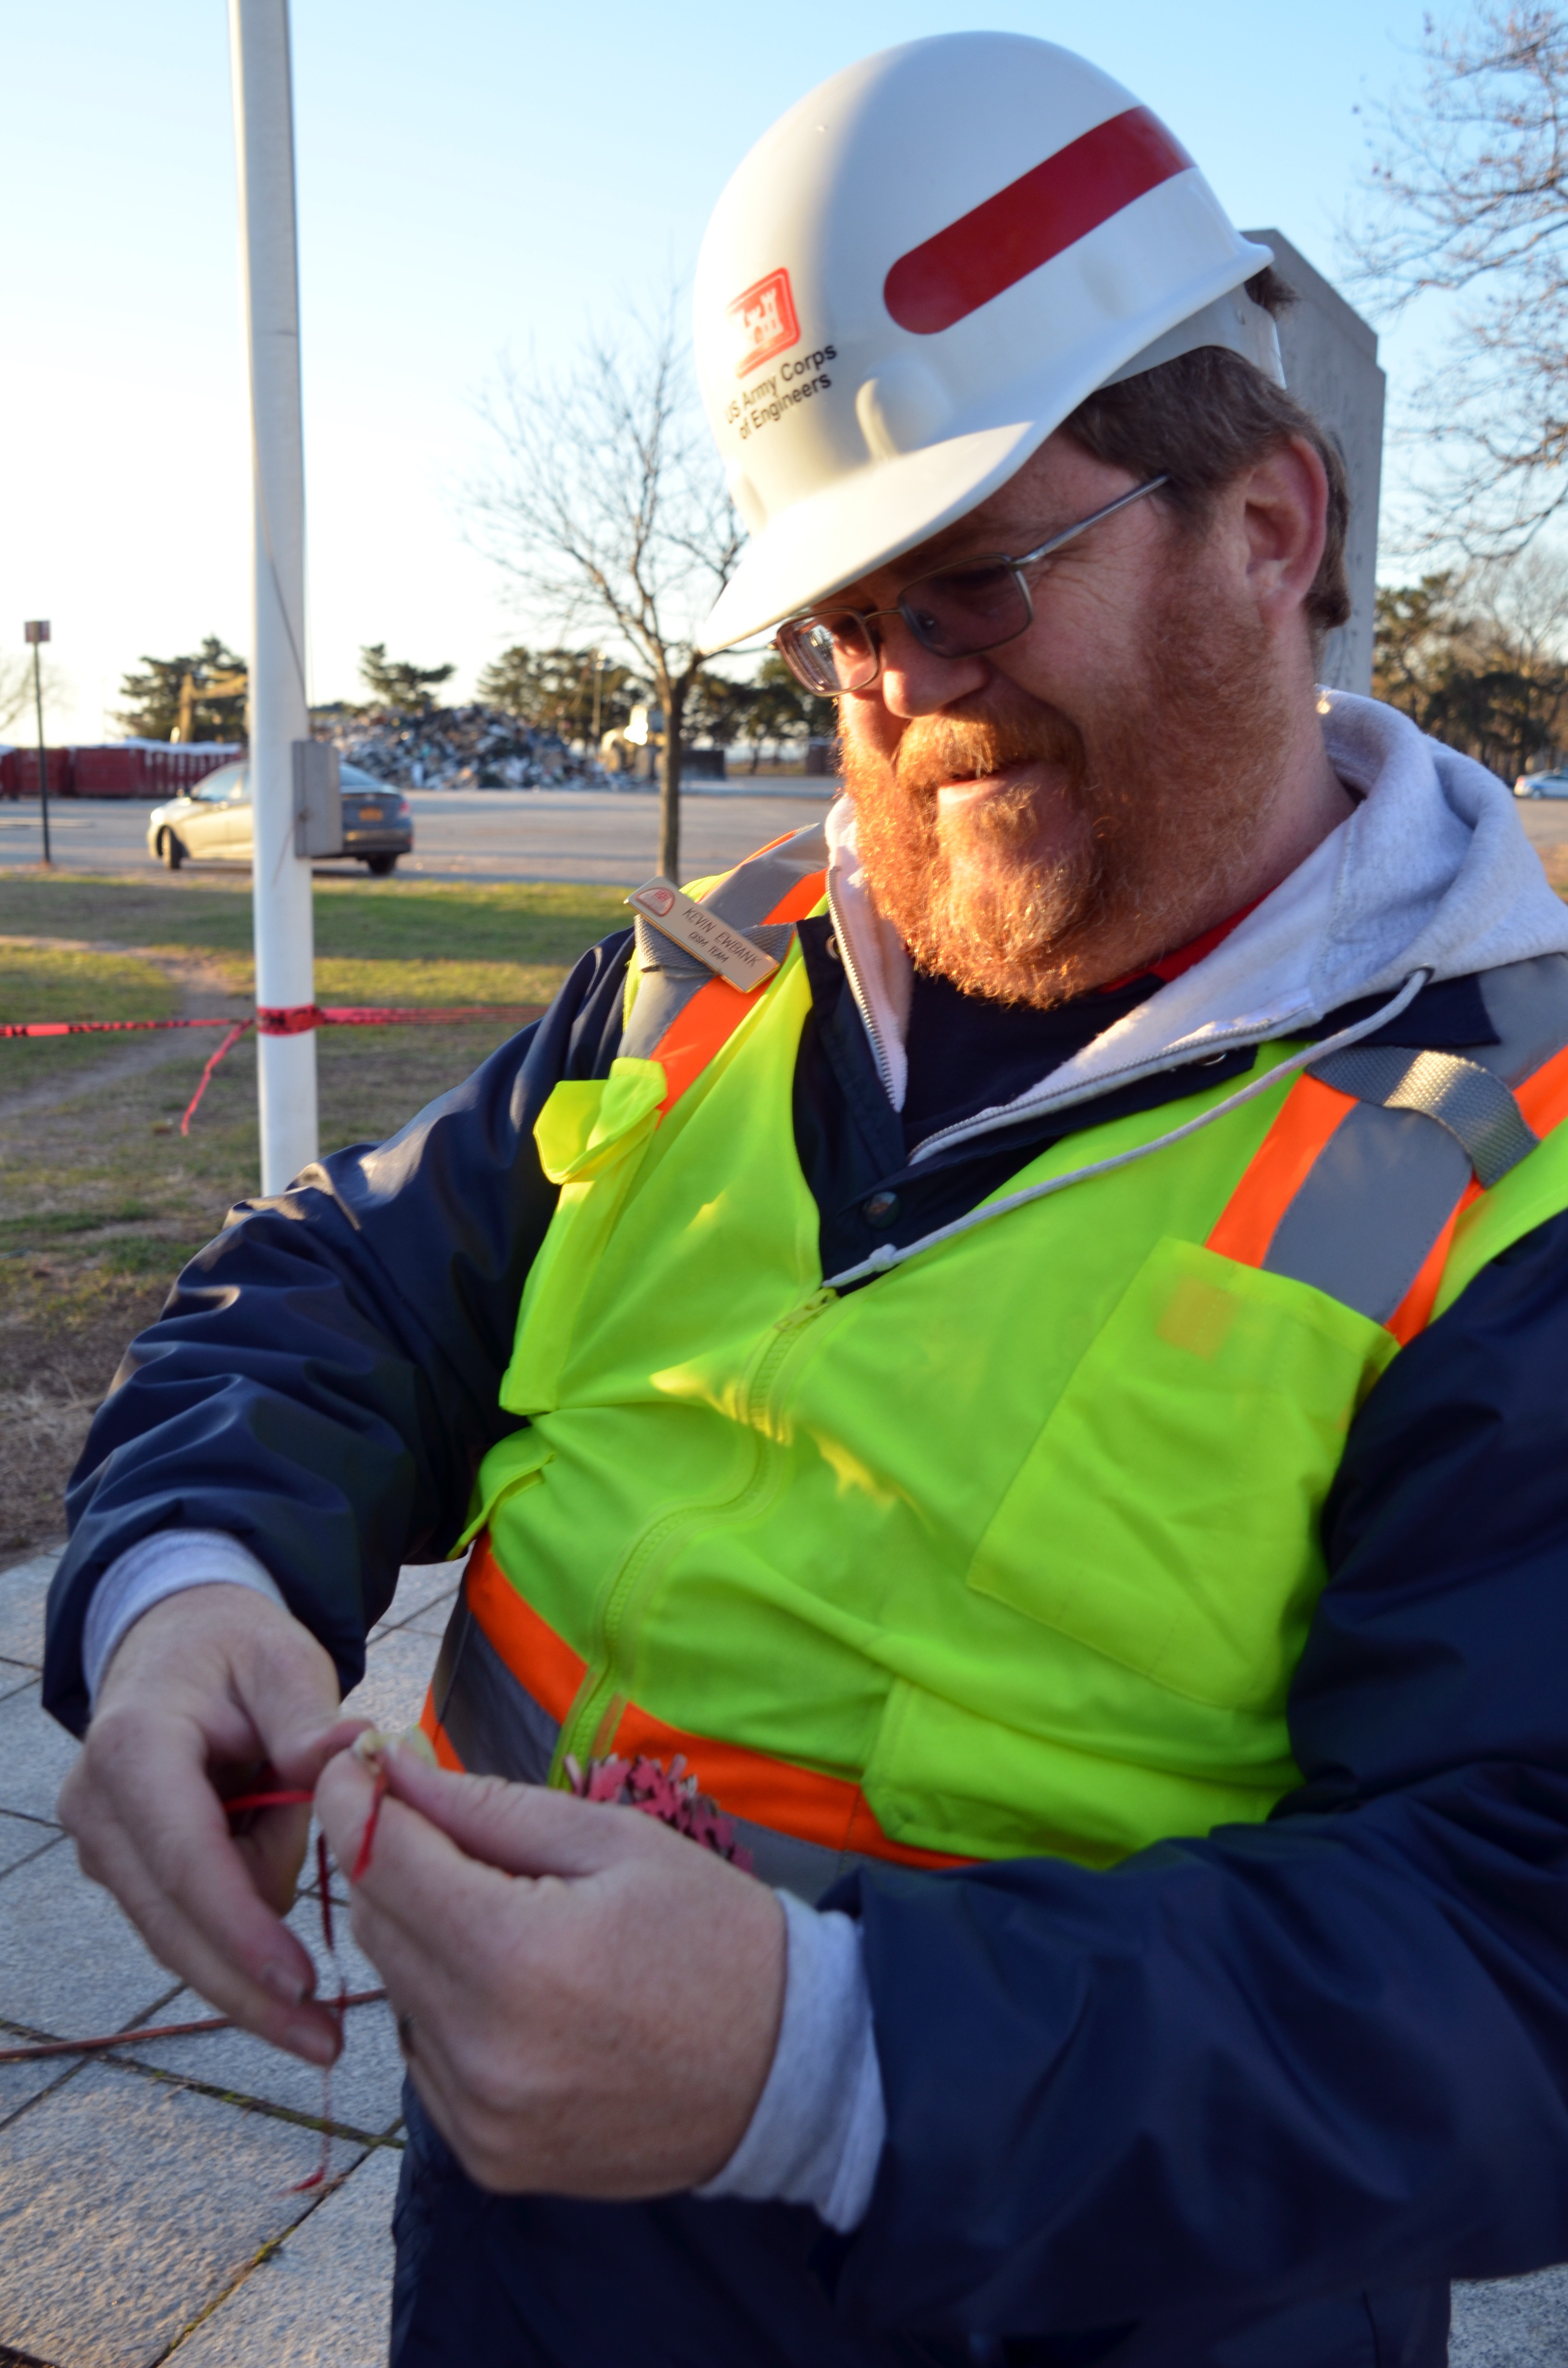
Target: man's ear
[1284, 518]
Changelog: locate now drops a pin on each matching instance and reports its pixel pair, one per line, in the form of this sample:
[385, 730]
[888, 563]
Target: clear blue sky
[474, 178]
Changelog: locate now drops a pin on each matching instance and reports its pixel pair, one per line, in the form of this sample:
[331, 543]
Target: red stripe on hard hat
[1032, 219]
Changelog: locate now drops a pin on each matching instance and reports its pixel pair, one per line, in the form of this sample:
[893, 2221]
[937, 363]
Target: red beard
[1138, 840]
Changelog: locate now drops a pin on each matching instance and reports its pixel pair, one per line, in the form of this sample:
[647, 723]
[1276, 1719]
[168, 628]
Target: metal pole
[285, 966]
[38, 634]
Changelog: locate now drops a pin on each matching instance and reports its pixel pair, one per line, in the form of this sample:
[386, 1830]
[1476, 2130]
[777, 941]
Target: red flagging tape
[159, 2030]
[281, 1019]
[241, 1805]
[98, 1027]
[271, 1795]
[228, 1044]
[291, 1019]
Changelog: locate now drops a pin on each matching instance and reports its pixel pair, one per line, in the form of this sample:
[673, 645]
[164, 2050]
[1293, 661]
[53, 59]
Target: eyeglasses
[955, 614]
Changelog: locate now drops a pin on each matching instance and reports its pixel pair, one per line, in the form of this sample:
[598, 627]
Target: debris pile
[455, 749]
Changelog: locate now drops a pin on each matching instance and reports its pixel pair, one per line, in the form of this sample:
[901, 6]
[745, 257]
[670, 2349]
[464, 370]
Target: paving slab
[432, 1621]
[324, 2298]
[69, 1964]
[15, 1675]
[23, 1589]
[1512, 2323]
[23, 1837]
[129, 2206]
[367, 2080]
[35, 1754]
[21, 2083]
[396, 1679]
[420, 1585]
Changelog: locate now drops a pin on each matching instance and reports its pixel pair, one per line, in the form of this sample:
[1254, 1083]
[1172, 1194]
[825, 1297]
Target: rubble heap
[455, 749]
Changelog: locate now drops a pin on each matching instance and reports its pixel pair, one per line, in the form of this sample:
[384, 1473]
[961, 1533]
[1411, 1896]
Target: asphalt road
[600, 835]
[1545, 821]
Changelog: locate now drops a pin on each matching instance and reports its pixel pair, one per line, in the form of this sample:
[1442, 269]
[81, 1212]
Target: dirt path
[204, 993]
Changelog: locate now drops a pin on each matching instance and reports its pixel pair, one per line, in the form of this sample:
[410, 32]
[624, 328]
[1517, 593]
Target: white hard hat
[916, 275]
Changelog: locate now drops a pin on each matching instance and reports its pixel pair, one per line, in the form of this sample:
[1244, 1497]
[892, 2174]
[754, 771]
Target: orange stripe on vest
[1279, 1168]
[717, 1009]
[1543, 1098]
[813, 1808]
[1284, 1159]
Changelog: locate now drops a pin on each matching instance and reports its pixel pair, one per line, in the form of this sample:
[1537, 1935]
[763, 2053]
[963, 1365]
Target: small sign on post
[36, 633]
[318, 798]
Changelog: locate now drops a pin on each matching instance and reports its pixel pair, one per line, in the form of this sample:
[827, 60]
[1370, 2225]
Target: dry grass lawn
[101, 1198]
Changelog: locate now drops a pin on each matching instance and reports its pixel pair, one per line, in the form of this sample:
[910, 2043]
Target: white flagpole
[285, 966]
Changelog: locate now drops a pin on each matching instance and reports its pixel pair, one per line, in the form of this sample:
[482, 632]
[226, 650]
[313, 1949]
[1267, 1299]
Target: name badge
[690, 924]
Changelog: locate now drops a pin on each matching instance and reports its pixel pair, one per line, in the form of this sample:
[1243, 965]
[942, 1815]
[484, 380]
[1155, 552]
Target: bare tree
[607, 506]
[1473, 183]
[17, 688]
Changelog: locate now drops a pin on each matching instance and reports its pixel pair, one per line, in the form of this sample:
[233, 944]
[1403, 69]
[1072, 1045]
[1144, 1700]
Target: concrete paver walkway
[145, 2210]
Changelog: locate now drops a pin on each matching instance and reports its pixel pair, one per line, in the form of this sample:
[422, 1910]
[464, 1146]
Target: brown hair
[1204, 417]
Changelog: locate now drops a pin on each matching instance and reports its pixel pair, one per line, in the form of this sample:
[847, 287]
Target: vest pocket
[1167, 1514]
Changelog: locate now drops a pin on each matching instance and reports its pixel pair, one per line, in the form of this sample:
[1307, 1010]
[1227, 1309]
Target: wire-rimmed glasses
[955, 613]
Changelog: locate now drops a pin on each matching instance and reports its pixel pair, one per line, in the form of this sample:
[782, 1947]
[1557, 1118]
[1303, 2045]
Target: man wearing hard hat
[1002, 1365]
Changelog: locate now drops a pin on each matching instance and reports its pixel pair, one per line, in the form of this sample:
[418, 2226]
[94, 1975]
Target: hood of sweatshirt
[1432, 872]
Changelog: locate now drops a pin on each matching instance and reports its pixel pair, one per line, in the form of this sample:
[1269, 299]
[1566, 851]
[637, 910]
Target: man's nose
[915, 681]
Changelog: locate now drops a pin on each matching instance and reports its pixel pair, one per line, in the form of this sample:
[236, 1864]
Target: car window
[354, 777]
[228, 781]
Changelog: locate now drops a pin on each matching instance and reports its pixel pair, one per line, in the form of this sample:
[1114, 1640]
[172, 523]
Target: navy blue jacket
[1248, 2101]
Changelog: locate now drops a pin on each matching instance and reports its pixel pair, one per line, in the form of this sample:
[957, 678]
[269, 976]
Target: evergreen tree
[394, 682]
[152, 698]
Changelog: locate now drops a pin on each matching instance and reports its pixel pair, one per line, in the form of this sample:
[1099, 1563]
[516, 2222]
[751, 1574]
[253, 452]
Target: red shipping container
[18, 773]
[134, 769]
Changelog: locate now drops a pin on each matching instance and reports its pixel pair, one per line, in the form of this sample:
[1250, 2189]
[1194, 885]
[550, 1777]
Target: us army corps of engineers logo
[764, 321]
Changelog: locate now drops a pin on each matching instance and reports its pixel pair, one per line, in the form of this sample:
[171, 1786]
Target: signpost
[36, 633]
[280, 717]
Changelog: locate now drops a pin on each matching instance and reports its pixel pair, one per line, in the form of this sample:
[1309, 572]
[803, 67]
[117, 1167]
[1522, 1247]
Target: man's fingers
[149, 1827]
[522, 1828]
[304, 2029]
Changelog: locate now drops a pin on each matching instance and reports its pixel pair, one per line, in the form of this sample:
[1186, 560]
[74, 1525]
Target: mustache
[945, 748]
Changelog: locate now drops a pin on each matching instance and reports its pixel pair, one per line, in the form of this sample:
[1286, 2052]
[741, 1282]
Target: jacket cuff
[817, 2134]
[165, 1563]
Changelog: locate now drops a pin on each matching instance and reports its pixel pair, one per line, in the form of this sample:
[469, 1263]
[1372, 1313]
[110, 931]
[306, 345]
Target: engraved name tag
[680, 917]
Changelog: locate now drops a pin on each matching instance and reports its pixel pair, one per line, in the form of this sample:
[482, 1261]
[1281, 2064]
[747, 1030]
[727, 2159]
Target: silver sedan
[213, 823]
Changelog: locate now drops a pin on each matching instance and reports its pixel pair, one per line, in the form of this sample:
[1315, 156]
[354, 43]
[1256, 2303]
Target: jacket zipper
[603, 1686]
[862, 1004]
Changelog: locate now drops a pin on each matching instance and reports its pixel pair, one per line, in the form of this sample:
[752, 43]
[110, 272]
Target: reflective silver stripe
[497, 1728]
[1526, 1003]
[1376, 1199]
[744, 898]
[1475, 1106]
[1389, 1178]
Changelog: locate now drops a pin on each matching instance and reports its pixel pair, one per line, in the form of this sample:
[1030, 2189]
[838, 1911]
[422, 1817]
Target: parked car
[212, 822]
[1541, 785]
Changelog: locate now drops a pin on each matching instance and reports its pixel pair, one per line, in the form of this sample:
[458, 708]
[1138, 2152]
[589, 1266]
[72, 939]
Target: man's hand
[208, 1688]
[589, 2002]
